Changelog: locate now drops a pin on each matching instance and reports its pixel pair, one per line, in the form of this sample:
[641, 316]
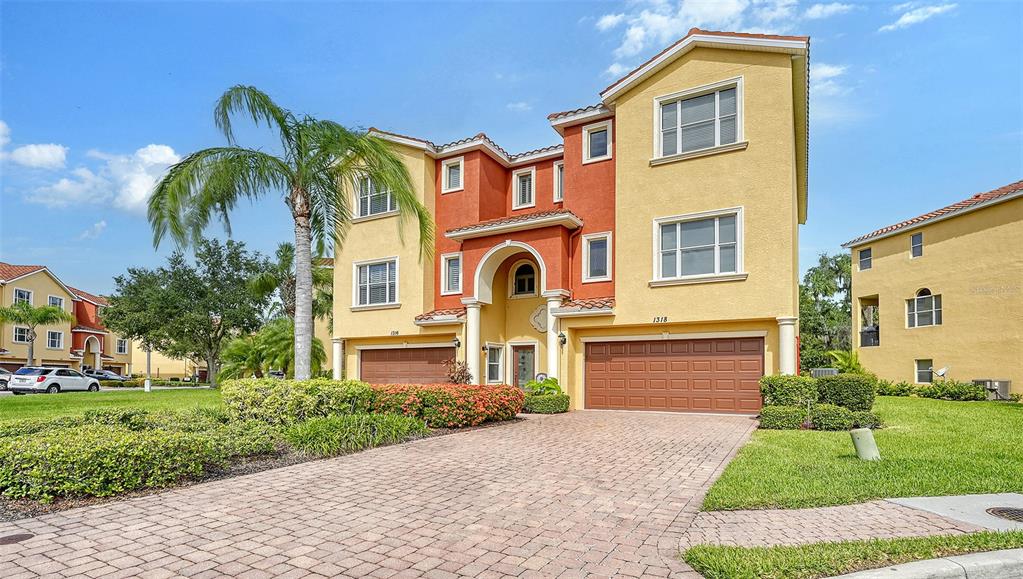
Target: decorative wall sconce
[562, 338]
[456, 342]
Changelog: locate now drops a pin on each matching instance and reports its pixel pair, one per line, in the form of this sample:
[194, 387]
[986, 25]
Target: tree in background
[825, 310]
[278, 284]
[136, 312]
[320, 163]
[22, 314]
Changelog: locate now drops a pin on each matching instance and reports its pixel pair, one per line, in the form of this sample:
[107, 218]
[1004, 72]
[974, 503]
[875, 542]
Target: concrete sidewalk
[1006, 564]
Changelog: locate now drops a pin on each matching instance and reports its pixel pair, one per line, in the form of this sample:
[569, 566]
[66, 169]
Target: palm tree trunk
[31, 352]
[303, 286]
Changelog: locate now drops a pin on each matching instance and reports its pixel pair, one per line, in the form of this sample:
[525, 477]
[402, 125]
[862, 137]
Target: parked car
[38, 379]
[105, 375]
[5, 378]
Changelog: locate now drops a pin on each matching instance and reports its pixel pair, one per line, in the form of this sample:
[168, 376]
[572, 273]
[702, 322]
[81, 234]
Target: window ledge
[740, 146]
[596, 279]
[596, 159]
[451, 293]
[699, 279]
[377, 307]
[374, 216]
[518, 207]
[456, 190]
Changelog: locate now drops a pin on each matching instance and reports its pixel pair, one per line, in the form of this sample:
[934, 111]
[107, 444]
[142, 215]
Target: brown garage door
[405, 365]
[718, 375]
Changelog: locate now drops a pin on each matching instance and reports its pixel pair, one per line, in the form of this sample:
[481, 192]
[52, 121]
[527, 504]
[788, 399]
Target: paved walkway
[585, 493]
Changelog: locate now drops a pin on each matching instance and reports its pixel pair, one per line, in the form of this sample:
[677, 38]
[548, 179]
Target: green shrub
[288, 401]
[546, 403]
[336, 435]
[785, 390]
[140, 382]
[952, 390]
[782, 417]
[449, 405]
[889, 388]
[853, 391]
[831, 417]
[542, 388]
[864, 419]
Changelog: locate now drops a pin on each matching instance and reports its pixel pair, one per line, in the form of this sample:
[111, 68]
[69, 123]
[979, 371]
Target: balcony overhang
[560, 217]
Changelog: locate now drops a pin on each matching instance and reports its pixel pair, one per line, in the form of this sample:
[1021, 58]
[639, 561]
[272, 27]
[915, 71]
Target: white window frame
[694, 92]
[740, 271]
[587, 278]
[509, 348]
[531, 171]
[445, 186]
[14, 335]
[397, 283]
[500, 362]
[119, 343]
[859, 259]
[913, 246]
[916, 371]
[511, 280]
[31, 296]
[559, 185]
[60, 339]
[445, 290]
[358, 204]
[50, 298]
[936, 310]
[596, 127]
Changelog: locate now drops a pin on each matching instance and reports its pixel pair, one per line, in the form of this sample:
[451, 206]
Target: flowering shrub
[287, 401]
[449, 405]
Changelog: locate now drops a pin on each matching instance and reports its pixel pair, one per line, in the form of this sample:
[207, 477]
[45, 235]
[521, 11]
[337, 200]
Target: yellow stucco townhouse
[944, 291]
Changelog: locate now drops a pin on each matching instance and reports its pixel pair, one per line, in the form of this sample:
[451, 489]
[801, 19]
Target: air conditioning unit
[818, 372]
[996, 389]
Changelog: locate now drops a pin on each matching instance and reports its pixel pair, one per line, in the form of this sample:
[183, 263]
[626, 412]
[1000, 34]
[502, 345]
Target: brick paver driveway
[585, 493]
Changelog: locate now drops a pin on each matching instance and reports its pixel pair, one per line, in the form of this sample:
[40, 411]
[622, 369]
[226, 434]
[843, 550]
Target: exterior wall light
[562, 338]
[456, 342]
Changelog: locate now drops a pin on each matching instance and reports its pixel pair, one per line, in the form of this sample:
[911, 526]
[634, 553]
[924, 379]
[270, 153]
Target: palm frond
[259, 106]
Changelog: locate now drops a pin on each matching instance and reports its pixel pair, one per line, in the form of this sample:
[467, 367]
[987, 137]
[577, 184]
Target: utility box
[819, 372]
[996, 389]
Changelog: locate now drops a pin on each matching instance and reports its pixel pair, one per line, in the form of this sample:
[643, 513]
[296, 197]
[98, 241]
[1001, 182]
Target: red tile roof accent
[86, 328]
[590, 304]
[513, 219]
[694, 31]
[457, 312]
[424, 141]
[91, 297]
[979, 198]
[586, 109]
[10, 271]
[440, 149]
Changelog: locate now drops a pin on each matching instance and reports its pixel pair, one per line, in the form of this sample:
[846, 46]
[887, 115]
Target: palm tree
[279, 282]
[275, 344]
[241, 357]
[319, 164]
[23, 314]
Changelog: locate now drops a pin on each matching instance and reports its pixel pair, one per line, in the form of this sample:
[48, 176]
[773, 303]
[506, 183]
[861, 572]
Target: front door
[524, 357]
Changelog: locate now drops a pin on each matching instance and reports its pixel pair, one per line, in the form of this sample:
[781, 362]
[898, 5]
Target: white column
[338, 352]
[472, 338]
[787, 345]
[553, 343]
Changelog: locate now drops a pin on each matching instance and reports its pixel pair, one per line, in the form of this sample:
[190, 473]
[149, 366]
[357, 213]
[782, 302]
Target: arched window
[524, 280]
[923, 310]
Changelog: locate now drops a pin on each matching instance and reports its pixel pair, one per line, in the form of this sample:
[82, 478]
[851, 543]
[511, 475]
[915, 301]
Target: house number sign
[660, 319]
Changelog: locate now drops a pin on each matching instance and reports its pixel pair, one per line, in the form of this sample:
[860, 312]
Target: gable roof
[478, 141]
[1010, 191]
[10, 272]
[98, 300]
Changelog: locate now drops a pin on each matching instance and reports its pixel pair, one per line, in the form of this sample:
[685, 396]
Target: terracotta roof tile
[91, 297]
[10, 271]
[549, 149]
[87, 328]
[558, 115]
[424, 141]
[590, 304]
[979, 198]
[457, 312]
[512, 219]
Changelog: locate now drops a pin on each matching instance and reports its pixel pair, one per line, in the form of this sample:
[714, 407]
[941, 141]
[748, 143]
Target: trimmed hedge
[952, 390]
[546, 403]
[140, 382]
[449, 405]
[335, 435]
[782, 417]
[863, 419]
[287, 401]
[855, 392]
[786, 390]
[831, 417]
[889, 388]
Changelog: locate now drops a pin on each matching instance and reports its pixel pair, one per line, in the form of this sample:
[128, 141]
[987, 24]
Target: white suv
[50, 380]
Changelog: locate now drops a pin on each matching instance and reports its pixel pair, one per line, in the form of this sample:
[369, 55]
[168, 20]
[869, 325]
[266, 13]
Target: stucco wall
[42, 286]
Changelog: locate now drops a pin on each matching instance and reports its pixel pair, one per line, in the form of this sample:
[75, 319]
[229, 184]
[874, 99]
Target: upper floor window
[597, 257]
[916, 245]
[451, 266]
[924, 371]
[22, 296]
[597, 142]
[373, 201]
[923, 310]
[524, 280]
[377, 283]
[699, 246]
[452, 175]
[56, 301]
[54, 340]
[559, 181]
[122, 346]
[698, 119]
[866, 259]
[20, 335]
[523, 182]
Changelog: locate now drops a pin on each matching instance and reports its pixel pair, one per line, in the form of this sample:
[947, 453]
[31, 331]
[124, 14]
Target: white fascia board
[569, 221]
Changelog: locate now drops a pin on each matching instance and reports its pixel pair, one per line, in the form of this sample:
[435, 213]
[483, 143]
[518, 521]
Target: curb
[1006, 564]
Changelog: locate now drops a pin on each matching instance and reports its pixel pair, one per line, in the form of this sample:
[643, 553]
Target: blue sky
[914, 105]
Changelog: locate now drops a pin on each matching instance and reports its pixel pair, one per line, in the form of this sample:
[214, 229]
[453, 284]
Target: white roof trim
[580, 313]
[74, 295]
[568, 220]
[599, 113]
[471, 145]
[446, 320]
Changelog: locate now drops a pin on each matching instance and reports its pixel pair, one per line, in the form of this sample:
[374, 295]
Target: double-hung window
[597, 257]
[924, 371]
[22, 296]
[451, 266]
[451, 177]
[523, 183]
[923, 310]
[597, 142]
[20, 335]
[56, 301]
[704, 246]
[373, 201]
[54, 340]
[122, 346]
[377, 283]
[693, 122]
[916, 245]
[866, 259]
[495, 357]
[559, 181]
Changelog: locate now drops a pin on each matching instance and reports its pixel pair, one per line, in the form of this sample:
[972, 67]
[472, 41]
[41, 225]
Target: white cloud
[48, 156]
[819, 11]
[83, 186]
[825, 79]
[609, 21]
[832, 101]
[519, 107]
[95, 231]
[616, 69]
[5, 134]
[916, 16]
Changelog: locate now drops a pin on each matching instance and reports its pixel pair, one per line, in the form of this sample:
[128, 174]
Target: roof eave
[567, 220]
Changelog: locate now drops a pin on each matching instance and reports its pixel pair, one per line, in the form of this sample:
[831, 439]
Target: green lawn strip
[74, 403]
[828, 559]
[928, 448]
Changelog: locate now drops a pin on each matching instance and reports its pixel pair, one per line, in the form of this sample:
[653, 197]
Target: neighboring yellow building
[649, 260]
[944, 290]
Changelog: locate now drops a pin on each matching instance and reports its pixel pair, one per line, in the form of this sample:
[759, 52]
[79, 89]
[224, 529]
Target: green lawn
[929, 447]
[828, 559]
[51, 405]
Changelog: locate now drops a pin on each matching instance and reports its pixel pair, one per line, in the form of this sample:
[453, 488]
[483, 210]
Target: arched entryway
[92, 353]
